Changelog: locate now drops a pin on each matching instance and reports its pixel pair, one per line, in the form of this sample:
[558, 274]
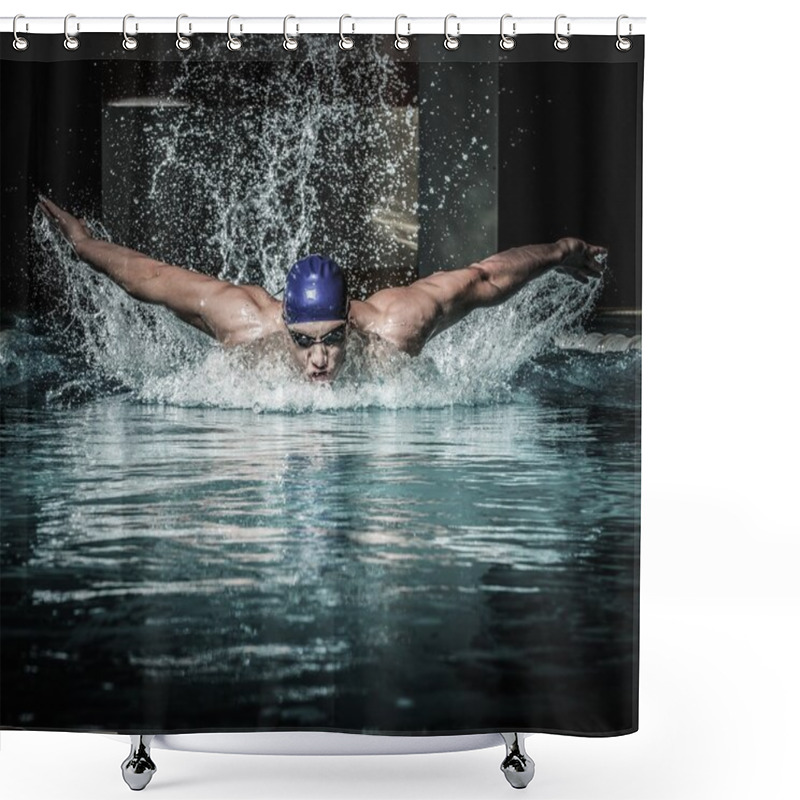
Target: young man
[316, 312]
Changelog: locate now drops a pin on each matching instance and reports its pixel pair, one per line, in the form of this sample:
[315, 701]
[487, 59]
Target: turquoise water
[195, 539]
[461, 568]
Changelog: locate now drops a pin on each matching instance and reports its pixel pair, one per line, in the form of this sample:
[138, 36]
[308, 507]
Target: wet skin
[405, 317]
[321, 362]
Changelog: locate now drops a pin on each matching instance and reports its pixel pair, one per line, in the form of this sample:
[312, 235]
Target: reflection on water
[193, 541]
[398, 570]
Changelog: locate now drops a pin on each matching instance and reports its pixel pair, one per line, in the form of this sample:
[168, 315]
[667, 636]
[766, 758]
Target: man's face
[318, 348]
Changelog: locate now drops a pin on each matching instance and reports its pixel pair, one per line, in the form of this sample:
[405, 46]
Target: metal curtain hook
[128, 42]
[507, 42]
[233, 42]
[561, 42]
[451, 42]
[401, 42]
[20, 42]
[71, 42]
[623, 43]
[289, 43]
[182, 43]
[345, 42]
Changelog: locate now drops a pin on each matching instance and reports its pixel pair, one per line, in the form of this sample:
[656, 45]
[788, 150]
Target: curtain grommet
[623, 44]
[345, 42]
[289, 42]
[71, 42]
[561, 43]
[233, 43]
[507, 42]
[451, 42]
[20, 42]
[401, 42]
[128, 42]
[182, 42]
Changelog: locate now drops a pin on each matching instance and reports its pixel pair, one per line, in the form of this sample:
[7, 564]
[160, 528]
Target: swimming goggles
[336, 336]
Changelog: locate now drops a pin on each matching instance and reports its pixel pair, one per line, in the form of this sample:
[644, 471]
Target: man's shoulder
[270, 310]
[249, 320]
[262, 298]
[363, 314]
[381, 321]
[368, 317]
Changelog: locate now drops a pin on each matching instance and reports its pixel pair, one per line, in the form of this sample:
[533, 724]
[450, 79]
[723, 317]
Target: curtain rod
[405, 26]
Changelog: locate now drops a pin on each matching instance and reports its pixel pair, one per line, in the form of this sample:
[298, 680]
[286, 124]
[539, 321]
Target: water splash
[262, 163]
[259, 182]
[110, 342]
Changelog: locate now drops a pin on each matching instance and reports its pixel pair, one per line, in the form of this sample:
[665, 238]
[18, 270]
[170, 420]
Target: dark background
[569, 140]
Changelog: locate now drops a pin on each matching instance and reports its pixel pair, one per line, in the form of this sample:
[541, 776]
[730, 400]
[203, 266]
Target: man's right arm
[232, 314]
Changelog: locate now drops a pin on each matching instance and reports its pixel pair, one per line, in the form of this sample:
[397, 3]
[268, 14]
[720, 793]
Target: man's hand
[582, 261]
[75, 230]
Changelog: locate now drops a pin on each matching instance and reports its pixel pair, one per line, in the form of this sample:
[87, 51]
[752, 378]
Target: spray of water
[112, 342]
[254, 179]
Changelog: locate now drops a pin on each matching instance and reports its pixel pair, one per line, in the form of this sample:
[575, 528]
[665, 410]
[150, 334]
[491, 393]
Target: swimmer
[317, 313]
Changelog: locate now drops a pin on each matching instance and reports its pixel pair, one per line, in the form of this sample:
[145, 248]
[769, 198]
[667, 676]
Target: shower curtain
[195, 537]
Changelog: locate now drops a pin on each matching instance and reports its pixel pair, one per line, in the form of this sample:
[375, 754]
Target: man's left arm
[411, 315]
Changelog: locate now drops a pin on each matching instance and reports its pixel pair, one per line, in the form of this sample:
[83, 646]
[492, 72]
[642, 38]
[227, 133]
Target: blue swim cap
[316, 291]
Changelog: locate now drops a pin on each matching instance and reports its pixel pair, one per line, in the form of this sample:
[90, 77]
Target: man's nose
[319, 355]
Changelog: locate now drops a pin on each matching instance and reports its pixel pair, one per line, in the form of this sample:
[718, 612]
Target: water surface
[399, 570]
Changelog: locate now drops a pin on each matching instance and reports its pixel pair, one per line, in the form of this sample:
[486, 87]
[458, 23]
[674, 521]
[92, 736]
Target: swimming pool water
[452, 569]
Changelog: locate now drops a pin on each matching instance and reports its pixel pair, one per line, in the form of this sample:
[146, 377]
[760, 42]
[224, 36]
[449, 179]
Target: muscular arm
[232, 314]
[409, 316]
